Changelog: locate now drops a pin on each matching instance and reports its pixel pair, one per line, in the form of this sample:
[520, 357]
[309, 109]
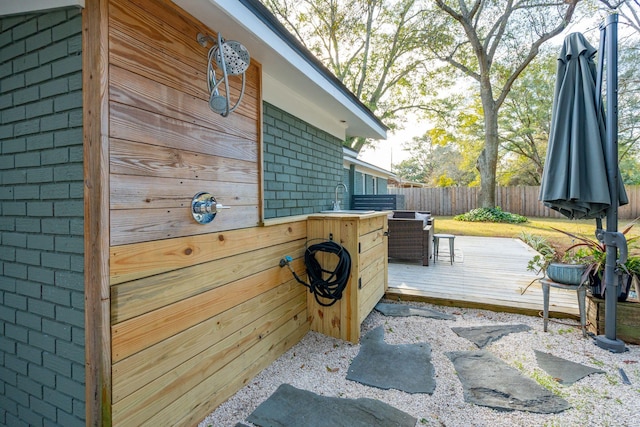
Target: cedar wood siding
[195, 311]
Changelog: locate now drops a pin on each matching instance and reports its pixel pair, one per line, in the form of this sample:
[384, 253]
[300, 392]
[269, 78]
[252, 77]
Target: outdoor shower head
[232, 58]
[232, 55]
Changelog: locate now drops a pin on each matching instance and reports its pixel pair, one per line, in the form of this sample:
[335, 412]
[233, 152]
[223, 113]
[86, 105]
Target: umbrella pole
[612, 237]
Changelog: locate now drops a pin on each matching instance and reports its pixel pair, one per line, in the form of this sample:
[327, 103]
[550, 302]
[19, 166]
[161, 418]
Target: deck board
[487, 271]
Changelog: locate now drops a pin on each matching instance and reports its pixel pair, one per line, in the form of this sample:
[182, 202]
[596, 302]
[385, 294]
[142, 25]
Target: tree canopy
[375, 47]
[473, 68]
[436, 160]
[492, 42]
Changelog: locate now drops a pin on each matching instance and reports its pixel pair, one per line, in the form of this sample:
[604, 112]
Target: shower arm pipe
[204, 38]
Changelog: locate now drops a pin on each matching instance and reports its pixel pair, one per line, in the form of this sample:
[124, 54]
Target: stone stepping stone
[289, 406]
[401, 310]
[488, 381]
[405, 367]
[485, 335]
[563, 370]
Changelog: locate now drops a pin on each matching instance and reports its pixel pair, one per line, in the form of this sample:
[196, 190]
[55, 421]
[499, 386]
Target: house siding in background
[382, 185]
[302, 165]
[363, 178]
[42, 366]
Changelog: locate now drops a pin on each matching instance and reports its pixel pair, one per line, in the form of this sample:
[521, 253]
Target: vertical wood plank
[350, 239]
[333, 315]
[96, 212]
[314, 228]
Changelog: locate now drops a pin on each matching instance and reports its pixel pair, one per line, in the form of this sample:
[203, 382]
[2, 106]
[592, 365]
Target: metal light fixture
[232, 58]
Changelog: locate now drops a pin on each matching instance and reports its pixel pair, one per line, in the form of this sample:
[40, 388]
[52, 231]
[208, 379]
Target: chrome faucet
[336, 203]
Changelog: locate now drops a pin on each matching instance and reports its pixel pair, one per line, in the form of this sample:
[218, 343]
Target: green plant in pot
[557, 266]
[546, 252]
[593, 254]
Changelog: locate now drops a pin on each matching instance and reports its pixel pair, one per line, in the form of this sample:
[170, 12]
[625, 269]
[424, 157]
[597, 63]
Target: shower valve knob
[204, 207]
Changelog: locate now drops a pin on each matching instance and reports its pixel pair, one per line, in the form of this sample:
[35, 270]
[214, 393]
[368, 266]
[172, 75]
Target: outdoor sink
[348, 211]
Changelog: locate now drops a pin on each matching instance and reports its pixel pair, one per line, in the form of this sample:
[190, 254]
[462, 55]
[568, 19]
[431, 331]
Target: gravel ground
[319, 364]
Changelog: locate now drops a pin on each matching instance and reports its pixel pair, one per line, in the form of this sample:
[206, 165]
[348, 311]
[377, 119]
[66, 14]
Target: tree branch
[533, 51]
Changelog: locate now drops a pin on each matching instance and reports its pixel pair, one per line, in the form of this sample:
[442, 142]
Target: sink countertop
[348, 214]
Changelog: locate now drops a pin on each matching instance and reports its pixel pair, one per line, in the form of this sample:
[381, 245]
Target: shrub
[490, 215]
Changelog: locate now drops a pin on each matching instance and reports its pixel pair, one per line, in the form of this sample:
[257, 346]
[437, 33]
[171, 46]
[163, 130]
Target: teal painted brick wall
[41, 223]
[302, 165]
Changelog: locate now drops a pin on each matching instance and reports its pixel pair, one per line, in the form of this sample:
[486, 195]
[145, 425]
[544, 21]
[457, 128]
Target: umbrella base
[614, 346]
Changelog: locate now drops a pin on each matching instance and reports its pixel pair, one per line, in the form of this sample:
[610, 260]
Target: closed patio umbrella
[581, 177]
[574, 181]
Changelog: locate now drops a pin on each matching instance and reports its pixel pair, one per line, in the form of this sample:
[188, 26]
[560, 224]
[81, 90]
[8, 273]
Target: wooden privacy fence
[448, 201]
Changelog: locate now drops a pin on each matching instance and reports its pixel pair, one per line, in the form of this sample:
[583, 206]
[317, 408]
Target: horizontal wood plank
[131, 158]
[147, 192]
[134, 261]
[239, 375]
[138, 297]
[138, 333]
[170, 33]
[134, 124]
[171, 396]
[371, 239]
[147, 94]
[143, 367]
[247, 320]
[141, 41]
[128, 53]
[134, 226]
[368, 225]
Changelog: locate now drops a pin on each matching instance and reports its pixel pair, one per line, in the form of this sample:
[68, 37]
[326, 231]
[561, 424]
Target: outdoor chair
[410, 238]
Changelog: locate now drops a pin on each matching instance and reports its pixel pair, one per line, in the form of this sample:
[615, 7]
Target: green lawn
[535, 226]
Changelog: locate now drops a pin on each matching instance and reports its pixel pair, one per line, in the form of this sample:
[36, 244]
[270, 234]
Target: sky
[391, 150]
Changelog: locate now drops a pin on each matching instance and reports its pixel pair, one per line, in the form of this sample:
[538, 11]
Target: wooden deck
[487, 273]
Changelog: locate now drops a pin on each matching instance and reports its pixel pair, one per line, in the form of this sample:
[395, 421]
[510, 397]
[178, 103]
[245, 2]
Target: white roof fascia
[368, 168]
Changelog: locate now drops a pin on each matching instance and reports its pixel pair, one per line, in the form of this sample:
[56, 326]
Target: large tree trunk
[488, 159]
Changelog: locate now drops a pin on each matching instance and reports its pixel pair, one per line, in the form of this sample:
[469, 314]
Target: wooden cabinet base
[363, 236]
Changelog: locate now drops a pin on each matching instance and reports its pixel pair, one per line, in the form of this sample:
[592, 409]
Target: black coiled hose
[332, 287]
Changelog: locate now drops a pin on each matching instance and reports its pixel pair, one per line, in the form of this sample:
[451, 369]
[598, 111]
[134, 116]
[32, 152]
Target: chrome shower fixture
[232, 58]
